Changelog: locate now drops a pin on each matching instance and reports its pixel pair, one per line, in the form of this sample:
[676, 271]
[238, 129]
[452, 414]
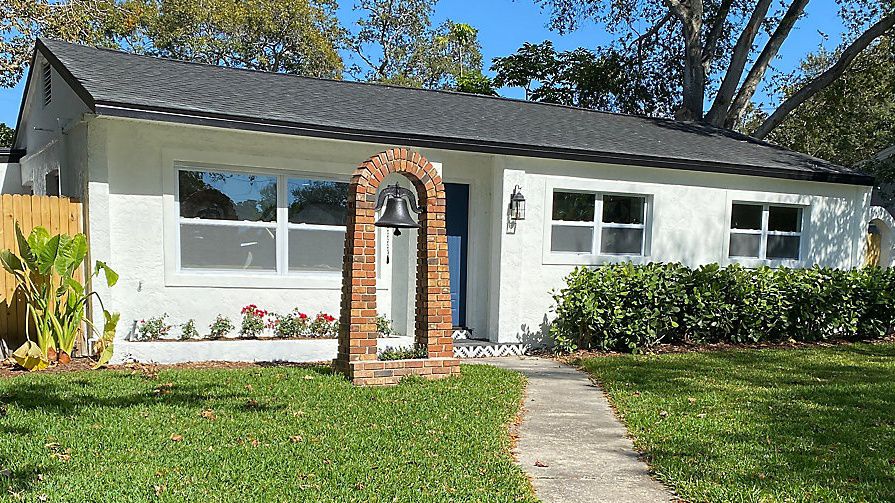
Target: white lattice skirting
[460, 334]
[486, 350]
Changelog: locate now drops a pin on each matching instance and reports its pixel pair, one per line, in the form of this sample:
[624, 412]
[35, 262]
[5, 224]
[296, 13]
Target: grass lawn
[762, 425]
[258, 434]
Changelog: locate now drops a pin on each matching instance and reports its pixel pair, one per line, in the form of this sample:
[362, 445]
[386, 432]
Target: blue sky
[505, 24]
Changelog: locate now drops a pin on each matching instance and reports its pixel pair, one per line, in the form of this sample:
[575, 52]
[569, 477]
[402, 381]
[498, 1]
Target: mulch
[9, 369]
[723, 346]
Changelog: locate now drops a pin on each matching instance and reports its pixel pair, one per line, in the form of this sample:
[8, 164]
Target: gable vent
[47, 75]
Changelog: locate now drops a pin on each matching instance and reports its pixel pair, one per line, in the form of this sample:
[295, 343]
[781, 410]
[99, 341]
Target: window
[318, 210]
[765, 232]
[47, 76]
[233, 222]
[575, 228]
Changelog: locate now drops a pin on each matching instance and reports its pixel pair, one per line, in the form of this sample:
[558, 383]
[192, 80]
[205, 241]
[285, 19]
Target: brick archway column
[357, 322]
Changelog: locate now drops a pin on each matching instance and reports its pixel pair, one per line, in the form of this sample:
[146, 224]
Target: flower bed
[255, 323]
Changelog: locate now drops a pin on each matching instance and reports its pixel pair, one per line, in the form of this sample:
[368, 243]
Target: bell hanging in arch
[396, 214]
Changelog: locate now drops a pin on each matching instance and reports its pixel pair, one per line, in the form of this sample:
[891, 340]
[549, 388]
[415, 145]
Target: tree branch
[651, 32]
[760, 67]
[718, 113]
[820, 82]
[711, 41]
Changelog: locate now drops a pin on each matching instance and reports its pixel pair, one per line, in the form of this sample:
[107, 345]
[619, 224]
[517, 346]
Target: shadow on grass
[775, 417]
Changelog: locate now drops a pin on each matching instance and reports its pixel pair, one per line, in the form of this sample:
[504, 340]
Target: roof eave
[126, 110]
[11, 154]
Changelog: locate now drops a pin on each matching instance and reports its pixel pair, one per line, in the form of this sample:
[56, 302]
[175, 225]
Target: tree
[105, 23]
[6, 134]
[712, 46]
[604, 80]
[851, 120]
[299, 37]
[476, 83]
[291, 36]
[396, 44]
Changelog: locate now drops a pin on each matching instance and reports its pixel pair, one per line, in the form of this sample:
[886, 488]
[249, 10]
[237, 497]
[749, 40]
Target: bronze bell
[396, 214]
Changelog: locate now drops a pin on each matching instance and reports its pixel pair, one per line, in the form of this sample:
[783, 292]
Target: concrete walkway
[570, 442]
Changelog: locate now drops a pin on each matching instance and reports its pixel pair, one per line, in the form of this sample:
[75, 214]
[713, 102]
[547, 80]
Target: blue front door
[457, 223]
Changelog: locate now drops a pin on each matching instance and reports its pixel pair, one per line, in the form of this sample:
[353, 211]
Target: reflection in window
[230, 222]
[227, 196]
[765, 232]
[317, 202]
[619, 231]
[318, 210]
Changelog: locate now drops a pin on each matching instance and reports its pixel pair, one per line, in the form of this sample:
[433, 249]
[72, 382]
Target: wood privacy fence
[59, 215]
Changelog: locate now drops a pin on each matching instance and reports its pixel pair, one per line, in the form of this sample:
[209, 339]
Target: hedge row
[630, 307]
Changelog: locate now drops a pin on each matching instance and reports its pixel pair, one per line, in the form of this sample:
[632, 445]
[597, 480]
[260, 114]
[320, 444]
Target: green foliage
[298, 37]
[44, 270]
[152, 329]
[324, 325]
[396, 44]
[6, 135]
[384, 326]
[220, 327]
[267, 434]
[632, 307]
[105, 344]
[188, 330]
[603, 80]
[782, 425]
[414, 352]
[289, 36]
[475, 83]
[252, 321]
[851, 120]
[294, 324]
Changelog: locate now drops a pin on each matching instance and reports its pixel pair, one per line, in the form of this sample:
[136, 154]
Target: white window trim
[595, 256]
[175, 275]
[762, 259]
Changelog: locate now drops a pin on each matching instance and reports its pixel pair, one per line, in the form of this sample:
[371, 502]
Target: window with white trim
[268, 224]
[619, 230]
[765, 231]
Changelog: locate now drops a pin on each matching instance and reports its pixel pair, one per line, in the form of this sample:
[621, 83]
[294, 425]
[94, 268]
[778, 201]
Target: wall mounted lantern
[396, 215]
[517, 204]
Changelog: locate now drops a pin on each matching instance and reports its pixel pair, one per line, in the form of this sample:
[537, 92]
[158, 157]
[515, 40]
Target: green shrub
[220, 327]
[403, 353]
[188, 330]
[631, 307]
[384, 326]
[152, 329]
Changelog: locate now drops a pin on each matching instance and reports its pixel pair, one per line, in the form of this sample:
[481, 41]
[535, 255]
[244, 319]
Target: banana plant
[45, 269]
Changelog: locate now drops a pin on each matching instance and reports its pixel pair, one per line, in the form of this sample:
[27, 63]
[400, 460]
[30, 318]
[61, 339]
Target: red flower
[302, 316]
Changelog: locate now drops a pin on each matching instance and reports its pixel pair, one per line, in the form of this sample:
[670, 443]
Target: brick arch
[357, 323]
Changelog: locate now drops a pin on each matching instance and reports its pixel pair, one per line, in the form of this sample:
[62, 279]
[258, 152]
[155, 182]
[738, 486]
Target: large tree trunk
[756, 74]
[690, 14]
[820, 82]
[718, 113]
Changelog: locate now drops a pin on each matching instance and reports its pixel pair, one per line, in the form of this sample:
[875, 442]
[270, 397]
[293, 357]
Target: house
[210, 188]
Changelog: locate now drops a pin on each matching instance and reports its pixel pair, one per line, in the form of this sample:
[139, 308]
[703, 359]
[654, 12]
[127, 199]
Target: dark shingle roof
[117, 83]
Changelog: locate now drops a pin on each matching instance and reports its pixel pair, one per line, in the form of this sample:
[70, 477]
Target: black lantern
[517, 204]
[396, 215]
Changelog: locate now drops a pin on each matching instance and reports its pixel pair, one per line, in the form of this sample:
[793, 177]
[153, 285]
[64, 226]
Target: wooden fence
[58, 215]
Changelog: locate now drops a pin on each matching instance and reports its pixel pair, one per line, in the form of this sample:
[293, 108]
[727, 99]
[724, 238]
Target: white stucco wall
[132, 215]
[511, 273]
[49, 134]
[10, 178]
[885, 224]
[690, 220]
